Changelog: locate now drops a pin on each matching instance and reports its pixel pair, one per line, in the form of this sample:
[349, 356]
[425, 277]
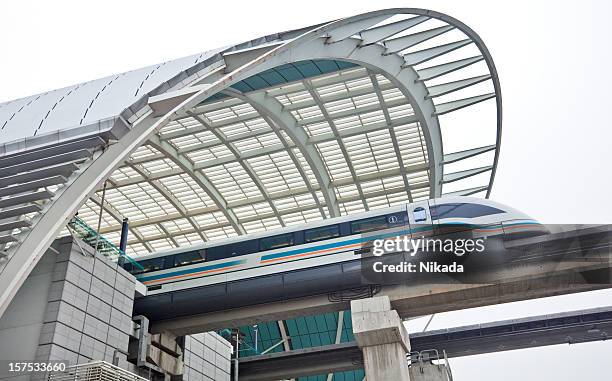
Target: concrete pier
[381, 335]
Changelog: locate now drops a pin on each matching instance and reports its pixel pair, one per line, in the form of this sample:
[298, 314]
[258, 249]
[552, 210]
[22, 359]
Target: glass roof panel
[239, 173]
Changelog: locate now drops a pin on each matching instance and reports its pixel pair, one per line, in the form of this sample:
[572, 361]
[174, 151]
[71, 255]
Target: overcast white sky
[553, 58]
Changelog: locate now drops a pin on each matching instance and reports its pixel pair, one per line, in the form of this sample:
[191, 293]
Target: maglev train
[324, 242]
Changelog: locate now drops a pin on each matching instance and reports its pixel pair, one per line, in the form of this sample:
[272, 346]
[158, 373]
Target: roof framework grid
[285, 129]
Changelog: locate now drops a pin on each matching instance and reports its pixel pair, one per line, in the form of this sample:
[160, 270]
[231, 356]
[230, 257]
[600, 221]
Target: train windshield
[462, 210]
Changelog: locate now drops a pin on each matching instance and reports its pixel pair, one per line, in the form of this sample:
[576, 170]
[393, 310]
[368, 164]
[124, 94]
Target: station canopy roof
[357, 114]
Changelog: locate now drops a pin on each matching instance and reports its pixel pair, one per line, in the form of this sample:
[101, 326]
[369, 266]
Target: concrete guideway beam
[407, 300]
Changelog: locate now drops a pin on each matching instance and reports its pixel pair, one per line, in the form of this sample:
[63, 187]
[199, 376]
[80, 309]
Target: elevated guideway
[564, 262]
[569, 327]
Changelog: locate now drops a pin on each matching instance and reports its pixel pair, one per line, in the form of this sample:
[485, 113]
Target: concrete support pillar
[382, 338]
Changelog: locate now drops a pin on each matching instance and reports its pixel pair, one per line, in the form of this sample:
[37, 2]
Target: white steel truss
[219, 151]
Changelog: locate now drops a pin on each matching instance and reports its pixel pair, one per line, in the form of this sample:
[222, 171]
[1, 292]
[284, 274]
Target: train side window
[369, 224]
[189, 258]
[154, 264]
[242, 248]
[319, 234]
[215, 252]
[276, 242]
[420, 214]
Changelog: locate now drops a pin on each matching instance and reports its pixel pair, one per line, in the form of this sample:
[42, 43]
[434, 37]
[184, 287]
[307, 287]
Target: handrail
[92, 238]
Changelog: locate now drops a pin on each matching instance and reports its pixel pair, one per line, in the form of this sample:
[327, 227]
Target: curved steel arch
[275, 116]
[25, 255]
[404, 78]
[492, 70]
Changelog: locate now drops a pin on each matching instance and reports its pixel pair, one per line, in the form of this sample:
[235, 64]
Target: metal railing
[95, 371]
[88, 235]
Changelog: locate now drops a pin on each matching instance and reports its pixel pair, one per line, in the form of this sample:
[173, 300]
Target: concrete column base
[381, 335]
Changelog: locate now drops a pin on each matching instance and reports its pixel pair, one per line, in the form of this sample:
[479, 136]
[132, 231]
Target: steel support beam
[245, 166]
[392, 133]
[199, 178]
[272, 121]
[119, 217]
[158, 186]
[332, 125]
[24, 256]
[273, 110]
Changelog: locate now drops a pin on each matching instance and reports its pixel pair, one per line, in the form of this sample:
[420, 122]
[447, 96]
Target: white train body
[305, 246]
